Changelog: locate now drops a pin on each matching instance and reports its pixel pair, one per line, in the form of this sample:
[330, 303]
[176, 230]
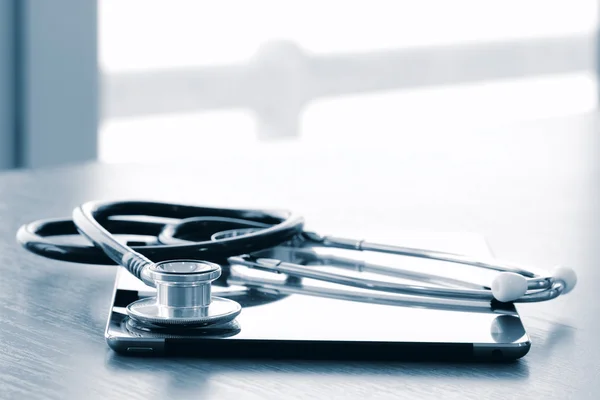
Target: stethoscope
[259, 246]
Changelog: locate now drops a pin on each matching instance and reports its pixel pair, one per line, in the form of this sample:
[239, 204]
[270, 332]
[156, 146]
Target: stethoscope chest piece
[183, 296]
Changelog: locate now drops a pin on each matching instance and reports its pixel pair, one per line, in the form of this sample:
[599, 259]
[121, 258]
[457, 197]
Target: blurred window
[183, 74]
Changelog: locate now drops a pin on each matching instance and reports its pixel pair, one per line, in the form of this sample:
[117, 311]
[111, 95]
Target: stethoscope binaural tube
[512, 284]
[507, 286]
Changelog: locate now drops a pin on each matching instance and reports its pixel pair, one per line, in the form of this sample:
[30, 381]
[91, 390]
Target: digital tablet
[285, 318]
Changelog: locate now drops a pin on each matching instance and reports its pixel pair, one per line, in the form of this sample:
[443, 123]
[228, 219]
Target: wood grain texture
[533, 192]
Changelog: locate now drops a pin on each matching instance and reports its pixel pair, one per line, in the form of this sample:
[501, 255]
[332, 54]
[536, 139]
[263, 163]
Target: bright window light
[138, 35]
[390, 117]
[448, 109]
[150, 34]
[173, 137]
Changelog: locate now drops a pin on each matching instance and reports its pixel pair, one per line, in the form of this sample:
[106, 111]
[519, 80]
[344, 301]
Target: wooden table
[532, 191]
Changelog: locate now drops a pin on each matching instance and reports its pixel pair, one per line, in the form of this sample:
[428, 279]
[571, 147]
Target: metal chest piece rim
[183, 296]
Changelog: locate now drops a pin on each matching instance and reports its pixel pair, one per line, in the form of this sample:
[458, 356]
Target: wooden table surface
[532, 190]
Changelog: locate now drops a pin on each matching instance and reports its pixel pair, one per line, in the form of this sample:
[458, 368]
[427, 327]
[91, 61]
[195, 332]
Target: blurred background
[145, 81]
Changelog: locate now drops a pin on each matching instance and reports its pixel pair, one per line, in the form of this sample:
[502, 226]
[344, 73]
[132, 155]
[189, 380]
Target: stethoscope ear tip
[567, 276]
[509, 286]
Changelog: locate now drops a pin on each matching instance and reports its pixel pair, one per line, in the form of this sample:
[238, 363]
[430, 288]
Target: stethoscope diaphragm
[183, 296]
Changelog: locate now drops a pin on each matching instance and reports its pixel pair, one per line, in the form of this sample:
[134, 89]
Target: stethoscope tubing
[98, 220]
